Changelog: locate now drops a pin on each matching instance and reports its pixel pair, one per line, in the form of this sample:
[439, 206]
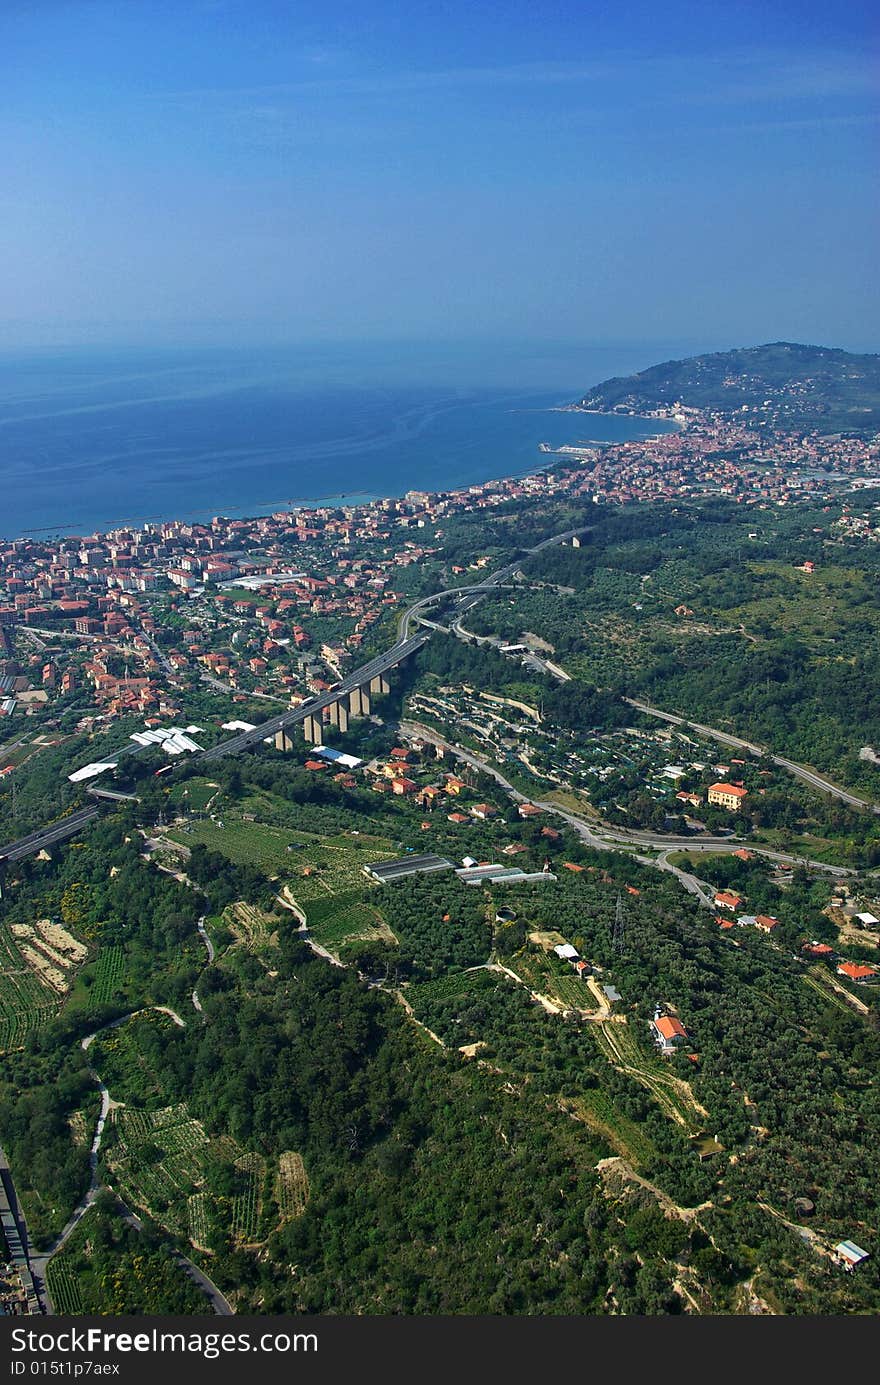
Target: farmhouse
[724, 899]
[668, 1031]
[766, 922]
[856, 971]
[818, 949]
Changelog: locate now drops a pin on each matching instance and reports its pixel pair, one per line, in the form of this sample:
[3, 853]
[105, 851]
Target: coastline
[346, 500]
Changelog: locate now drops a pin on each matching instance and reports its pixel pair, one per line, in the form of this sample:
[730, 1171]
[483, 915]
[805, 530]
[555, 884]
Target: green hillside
[815, 387]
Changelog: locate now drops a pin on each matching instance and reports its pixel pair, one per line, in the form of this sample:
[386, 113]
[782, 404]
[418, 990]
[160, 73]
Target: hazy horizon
[222, 172]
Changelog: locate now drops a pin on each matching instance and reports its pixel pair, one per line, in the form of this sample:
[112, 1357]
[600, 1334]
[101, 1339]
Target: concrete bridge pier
[283, 741]
[337, 715]
[359, 702]
[313, 730]
[379, 684]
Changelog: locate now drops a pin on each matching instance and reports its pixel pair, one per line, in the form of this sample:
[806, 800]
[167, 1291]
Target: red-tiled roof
[856, 971]
[670, 1027]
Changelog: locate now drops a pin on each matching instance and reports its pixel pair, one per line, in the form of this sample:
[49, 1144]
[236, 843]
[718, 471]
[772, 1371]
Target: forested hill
[815, 387]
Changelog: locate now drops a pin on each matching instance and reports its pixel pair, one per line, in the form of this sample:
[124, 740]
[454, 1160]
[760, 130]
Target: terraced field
[162, 1162]
[456, 986]
[247, 1204]
[27, 996]
[252, 927]
[291, 1184]
[623, 1047]
[336, 919]
[565, 986]
[599, 1111]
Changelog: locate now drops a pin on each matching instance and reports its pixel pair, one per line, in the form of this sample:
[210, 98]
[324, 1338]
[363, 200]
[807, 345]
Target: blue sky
[234, 171]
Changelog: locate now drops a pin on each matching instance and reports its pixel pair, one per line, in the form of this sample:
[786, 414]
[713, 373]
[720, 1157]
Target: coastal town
[277, 606]
[483, 820]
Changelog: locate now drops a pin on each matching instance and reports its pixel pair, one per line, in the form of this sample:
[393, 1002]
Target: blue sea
[91, 439]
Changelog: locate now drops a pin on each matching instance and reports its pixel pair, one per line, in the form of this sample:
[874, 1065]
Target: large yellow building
[727, 795]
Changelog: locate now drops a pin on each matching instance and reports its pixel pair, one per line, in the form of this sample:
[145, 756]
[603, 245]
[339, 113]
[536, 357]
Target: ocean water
[91, 439]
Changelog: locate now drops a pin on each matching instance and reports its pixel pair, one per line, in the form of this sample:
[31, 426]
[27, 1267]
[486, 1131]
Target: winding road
[809, 776]
[40, 1260]
[607, 838]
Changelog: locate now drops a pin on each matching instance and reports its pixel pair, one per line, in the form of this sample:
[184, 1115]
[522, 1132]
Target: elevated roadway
[358, 678]
[48, 836]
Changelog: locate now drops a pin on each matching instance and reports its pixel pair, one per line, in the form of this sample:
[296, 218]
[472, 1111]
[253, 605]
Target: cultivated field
[64, 1287]
[109, 977]
[324, 875]
[253, 927]
[539, 974]
[599, 1111]
[291, 1184]
[38, 963]
[623, 1047]
[163, 1162]
[285, 851]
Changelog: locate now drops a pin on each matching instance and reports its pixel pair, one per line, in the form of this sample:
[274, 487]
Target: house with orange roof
[725, 899]
[815, 949]
[856, 971]
[668, 1031]
[766, 922]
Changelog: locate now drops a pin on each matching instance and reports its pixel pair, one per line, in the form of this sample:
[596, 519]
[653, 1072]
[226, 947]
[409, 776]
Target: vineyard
[621, 1046]
[316, 866]
[565, 986]
[163, 1162]
[453, 986]
[197, 1205]
[291, 1184]
[341, 918]
[26, 1001]
[252, 927]
[158, 1161]
[109, 977]
[245, 843]
[64, 1288]
[247, 1204]
[598, 1110]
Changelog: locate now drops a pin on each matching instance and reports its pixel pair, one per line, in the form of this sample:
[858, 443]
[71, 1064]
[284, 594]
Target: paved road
[356, 679]
[40, 1260]
[48, 836]
[220, 686]
[36, 1270]
[602, 837]
[816, 781]
[474, 592]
